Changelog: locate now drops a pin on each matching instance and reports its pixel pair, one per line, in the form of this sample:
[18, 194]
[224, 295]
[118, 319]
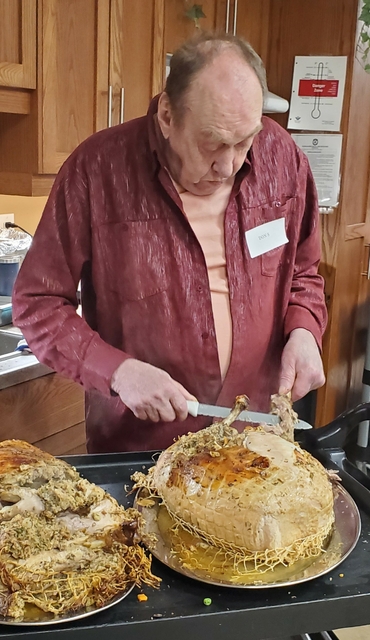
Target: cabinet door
[141, 32]
[18, 43]
[130, 58]
[250, 20]
[73, 65]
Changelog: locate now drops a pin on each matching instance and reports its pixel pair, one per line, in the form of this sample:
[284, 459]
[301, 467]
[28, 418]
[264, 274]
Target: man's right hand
[149, 392]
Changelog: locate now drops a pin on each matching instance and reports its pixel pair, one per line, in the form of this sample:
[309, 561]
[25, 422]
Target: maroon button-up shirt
[115, 221]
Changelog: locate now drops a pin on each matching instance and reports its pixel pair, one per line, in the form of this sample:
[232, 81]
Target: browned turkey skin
[255, 494]
[65, 543]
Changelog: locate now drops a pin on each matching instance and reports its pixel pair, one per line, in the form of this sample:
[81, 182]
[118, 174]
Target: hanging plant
[195, 13]
[363, 43]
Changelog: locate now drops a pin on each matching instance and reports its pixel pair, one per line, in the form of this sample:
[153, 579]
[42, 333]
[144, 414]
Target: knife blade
[197, 409]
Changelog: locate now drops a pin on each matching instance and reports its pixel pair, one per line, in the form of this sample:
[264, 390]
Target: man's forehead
[216, 134]
[215, 108]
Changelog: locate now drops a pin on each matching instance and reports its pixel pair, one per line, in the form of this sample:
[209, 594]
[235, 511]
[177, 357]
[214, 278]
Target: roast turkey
[65, 544]
[255, 494]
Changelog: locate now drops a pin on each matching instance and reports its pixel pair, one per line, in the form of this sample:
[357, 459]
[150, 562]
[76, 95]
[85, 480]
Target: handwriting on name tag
[266, 237]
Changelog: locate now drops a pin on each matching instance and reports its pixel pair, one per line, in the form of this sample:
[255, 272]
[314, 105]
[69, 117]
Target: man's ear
[164, 114]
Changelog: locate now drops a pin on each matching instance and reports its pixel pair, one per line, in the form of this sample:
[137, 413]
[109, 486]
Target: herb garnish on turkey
[65, 544]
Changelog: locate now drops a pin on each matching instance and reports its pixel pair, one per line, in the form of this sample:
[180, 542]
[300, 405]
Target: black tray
[176, 611]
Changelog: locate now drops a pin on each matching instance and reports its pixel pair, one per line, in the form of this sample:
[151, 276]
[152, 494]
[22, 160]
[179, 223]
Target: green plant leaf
[363, 41]
[195, 12]
[365, 15]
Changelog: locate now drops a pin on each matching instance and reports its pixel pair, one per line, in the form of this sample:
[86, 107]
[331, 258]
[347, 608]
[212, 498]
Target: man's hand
[149, 392]
[301, 365]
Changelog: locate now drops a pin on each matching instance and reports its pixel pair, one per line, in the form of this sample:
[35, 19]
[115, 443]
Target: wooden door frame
[158, 60]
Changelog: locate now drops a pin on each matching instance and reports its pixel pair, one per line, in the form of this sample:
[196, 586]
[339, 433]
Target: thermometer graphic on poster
[316, 113]
[317, 93]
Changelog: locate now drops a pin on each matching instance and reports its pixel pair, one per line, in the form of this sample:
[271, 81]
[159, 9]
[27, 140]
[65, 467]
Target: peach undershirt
[206, 217]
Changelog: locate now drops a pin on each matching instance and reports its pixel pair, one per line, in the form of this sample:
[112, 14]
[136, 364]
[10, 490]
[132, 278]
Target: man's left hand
[301, 365]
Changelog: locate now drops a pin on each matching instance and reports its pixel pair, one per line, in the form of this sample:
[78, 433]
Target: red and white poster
[317, 93]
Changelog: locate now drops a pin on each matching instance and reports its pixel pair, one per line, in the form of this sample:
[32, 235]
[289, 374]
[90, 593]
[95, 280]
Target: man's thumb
[286, 383]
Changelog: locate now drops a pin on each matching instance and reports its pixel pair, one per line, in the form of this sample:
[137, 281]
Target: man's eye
[215, 147]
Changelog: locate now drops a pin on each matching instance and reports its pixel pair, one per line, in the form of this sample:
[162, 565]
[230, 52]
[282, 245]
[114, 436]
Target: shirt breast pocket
[271, 261]
[137, 261]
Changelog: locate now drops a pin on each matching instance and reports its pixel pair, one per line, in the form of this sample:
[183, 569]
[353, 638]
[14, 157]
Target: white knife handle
[193, 406]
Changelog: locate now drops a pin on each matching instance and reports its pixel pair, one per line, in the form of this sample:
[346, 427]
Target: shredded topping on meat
[257, 497]
[65, 543]
[281, 405]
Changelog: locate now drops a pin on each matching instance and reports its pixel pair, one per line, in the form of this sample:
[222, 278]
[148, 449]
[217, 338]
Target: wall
[27, 210]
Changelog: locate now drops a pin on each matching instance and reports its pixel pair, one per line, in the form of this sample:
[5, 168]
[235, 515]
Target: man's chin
[205, 187]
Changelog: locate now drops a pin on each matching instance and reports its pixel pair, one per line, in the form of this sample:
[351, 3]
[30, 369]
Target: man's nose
[223, 166]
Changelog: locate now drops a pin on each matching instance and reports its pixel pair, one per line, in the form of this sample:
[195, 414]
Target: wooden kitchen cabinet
[99, 62]
[18, 43]
[63, 106]
[330, 27]
[17, 54]
[279, 30]
[47, 411]
[84, 48]
[133, 75]
[96, 70]
[69, 55]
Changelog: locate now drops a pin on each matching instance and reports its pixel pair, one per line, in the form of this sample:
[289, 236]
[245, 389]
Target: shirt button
[277, 203]
[205, 335]
[200, 289]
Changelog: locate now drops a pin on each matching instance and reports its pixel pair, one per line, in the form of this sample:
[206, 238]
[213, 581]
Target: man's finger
[178, 401]
[185, 392]
[180, 407]
[153, 414]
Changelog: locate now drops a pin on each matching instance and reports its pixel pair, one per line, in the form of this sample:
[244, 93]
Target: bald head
[207, 140]
[198, 54]
[224, 96]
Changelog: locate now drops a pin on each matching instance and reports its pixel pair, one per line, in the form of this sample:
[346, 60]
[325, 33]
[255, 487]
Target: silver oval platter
[38, 618]
[203, 564]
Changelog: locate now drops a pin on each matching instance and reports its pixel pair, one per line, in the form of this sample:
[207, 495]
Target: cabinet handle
[235, 16]
[110, 101]
[227, 16]
[122, 109]
[367, 273]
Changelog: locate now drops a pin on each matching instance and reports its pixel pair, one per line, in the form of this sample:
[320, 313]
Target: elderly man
[194, 231]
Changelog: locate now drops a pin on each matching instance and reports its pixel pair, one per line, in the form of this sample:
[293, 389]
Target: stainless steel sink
[17, 366]
[8, 342]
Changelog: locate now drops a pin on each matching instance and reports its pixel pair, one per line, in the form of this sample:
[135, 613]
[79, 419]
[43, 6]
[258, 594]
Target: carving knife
[197, 409]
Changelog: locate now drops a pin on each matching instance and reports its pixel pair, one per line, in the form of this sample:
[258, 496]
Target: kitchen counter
[20, 367]
[37, 404]
[16, 366]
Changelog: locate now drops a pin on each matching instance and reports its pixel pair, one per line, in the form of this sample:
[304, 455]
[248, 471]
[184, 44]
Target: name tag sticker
[266, 237]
